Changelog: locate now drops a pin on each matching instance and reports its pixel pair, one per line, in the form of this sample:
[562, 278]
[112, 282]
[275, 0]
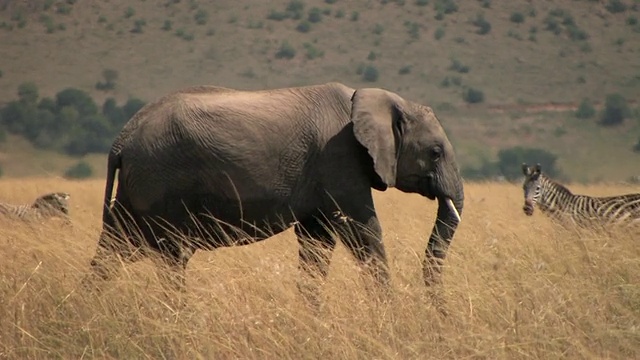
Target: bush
[510, 161]
[484, 27]
[439, 33]
[445, 6]
[457, 66]
[378, 29]
[517, 17]
[201, 17]
[304, 26]
[404, 70]
[167, 25]
[277, 15]
[80, 170]
[615, 110]
[636, 147]
[312, 51]
[370, 73]
[286, 51]
[616, 6]
[585, 110]
[129, 12]
[315, 15]
[294, 9]
[473, 96]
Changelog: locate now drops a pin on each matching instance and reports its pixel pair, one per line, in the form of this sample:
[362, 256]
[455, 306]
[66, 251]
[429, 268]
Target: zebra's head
[531, 187]
[53, 203]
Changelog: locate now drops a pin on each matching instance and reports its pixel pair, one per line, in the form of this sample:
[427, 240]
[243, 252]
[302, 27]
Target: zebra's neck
[554, 197]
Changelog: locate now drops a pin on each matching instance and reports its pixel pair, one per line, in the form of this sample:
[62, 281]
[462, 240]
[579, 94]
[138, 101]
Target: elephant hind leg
[316, 245]
[172, 262]
[119, 243]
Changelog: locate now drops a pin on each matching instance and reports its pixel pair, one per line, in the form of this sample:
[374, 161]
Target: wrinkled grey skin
[250, 164]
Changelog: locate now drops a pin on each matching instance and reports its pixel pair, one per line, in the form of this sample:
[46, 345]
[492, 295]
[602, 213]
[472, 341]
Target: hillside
[524, 53]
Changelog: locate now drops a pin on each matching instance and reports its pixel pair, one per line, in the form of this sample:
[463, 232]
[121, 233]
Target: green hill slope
[525, 53]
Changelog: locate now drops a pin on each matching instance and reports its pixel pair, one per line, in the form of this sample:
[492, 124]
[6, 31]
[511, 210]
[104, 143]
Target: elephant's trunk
[448, 218]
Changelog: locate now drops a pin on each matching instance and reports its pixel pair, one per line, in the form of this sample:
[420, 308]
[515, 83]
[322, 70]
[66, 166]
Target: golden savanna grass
[516, 287]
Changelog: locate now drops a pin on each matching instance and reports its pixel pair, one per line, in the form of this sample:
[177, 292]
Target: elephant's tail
[113, 163]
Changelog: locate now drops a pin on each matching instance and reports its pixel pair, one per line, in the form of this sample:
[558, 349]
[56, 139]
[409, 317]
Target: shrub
[510, 161]
[355, 16]
[167, 25]
[484, 27]
[315, 15]
[439, 33]
[615, 110]
[405, 70]
[294, 9]
[81, 170]
[370, 73]
[576, 34]
[517, 17]
[277, 15]
[312, 51]
[636, 147]
[473, 96]
[129, 12]
[632, 20]
[1, 172]
[28, 92]
[445, 6]
[457, 66]
[110, 77]
[201, 17]
[339, 14]
[330, 1]
[422, 2]
[304, 26]
[372, 56]
[378, 29]
[137, 26]
[585, 110]
[616, 6]
[286, 51]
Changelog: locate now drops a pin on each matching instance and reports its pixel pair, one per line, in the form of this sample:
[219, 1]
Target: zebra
[560, 203]
[44, 207]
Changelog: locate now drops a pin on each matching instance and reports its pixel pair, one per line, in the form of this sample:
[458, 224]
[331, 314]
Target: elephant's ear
[376, 115]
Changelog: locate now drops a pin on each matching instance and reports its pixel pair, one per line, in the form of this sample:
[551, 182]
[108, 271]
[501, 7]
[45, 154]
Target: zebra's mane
[559, 187]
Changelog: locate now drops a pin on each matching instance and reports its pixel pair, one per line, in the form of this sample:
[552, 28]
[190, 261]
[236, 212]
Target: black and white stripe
[44, 207]
[559, 202]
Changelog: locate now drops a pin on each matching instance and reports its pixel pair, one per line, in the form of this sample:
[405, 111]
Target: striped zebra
[44, 207]
[560, 203]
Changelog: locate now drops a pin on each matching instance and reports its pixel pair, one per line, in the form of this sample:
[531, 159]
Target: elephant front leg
[316, 246]
[362, 235]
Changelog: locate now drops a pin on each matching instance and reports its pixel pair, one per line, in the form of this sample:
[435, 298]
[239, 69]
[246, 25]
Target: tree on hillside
[510, 161]
[615, 110]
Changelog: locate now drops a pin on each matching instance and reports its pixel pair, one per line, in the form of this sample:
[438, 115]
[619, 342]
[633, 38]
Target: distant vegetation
[71, 122]
[509, 164]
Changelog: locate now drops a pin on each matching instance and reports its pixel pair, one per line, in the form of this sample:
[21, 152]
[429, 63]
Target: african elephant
[207, 167]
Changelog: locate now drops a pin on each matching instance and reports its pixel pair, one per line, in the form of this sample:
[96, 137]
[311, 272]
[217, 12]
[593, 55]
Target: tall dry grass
[516, 287]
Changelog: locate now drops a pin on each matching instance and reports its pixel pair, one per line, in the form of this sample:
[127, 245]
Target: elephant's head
[412, 153]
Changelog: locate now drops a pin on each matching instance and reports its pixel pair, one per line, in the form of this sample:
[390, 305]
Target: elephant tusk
[453, 208]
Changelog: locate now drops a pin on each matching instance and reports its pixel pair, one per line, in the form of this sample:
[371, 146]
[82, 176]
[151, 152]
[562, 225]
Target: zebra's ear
[526, 170]
[538, 169]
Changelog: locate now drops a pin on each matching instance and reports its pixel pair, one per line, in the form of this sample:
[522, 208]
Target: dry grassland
[515, 288]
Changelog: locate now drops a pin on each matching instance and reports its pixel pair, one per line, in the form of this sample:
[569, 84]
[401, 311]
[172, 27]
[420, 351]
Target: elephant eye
[436, 152]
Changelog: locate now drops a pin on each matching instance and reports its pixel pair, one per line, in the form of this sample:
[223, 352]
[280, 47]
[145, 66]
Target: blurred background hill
[556, 82]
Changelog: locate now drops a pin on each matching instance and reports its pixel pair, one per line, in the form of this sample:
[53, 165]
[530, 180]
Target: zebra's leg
[316, 246]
